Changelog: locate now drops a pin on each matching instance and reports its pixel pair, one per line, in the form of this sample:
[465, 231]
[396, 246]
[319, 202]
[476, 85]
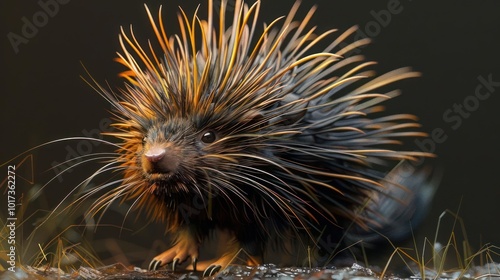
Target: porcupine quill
[275, 141]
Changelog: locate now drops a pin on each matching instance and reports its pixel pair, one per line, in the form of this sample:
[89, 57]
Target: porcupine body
[252, 133]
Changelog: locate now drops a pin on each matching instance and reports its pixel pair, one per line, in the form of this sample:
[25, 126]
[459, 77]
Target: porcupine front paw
[214, 266]
[232, 252]
[185, 247]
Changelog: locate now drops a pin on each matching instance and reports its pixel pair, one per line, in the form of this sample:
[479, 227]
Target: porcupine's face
[182, 155]
[170, 153]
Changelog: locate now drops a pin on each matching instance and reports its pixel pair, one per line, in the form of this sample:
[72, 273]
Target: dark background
[451, 42]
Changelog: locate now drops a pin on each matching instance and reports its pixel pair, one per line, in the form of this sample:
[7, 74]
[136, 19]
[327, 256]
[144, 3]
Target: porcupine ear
[253, 118]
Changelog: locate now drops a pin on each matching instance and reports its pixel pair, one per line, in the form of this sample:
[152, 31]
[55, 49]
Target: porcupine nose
[155, 154]
[161, 160]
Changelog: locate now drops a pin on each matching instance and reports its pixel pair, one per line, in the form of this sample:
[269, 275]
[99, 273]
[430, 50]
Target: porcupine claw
[174, 264]
[211, 270]
[154, 265]
[180, 256]
[214, 266]
[194, 263]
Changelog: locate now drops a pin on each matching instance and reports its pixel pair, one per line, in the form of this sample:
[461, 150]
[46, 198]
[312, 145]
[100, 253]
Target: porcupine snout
[160, 160]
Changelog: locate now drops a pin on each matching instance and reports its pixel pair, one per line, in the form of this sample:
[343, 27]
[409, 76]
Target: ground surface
[490, 271]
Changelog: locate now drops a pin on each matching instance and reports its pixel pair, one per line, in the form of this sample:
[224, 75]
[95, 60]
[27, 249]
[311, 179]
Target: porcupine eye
[208, 137]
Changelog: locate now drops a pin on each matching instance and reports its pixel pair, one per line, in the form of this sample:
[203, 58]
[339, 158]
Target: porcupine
[273, 139]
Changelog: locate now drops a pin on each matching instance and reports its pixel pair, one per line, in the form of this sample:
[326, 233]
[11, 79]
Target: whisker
[110, 156]
[62, 140]
[83, 183]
